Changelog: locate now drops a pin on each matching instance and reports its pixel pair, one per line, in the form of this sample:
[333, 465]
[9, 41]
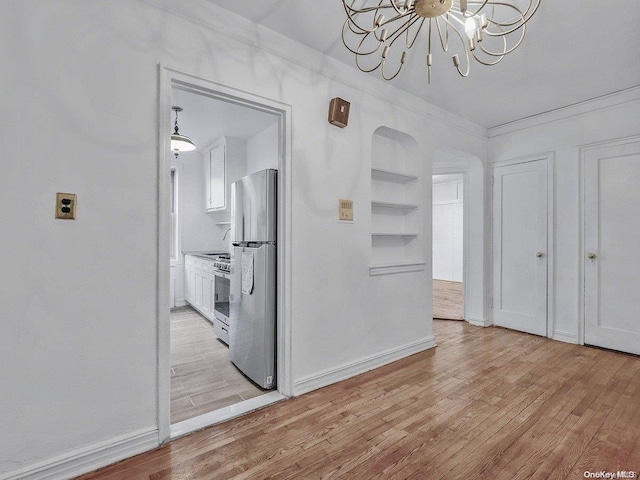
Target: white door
[612, 252]
[520, 246]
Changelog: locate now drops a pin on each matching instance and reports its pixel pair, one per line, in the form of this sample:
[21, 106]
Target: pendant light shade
[180, 143]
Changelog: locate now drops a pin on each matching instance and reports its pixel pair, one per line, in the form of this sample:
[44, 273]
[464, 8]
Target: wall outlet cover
[66, 206]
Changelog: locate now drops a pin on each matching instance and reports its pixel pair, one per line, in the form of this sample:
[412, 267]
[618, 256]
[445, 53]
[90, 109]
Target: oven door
[221, 305]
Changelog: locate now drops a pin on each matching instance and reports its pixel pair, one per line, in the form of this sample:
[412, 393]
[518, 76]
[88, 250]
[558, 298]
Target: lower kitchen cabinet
[200, 284]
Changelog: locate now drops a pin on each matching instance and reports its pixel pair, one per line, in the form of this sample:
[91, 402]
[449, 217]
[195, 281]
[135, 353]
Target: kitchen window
[174, 246]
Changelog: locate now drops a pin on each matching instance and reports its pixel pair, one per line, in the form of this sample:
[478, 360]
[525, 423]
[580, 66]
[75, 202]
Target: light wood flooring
[203, 378]
[447, 300]
[487, 403]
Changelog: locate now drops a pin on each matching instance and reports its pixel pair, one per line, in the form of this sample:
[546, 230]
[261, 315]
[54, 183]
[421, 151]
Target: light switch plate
[66, 206]
[345, 210]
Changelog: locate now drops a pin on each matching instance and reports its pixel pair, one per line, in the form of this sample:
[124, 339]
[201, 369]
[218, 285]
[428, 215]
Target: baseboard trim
[348, 370]
[478, 322]
[90, 458]
[565, 337]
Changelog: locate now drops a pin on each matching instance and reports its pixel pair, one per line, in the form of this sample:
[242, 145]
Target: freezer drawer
[221, 330]
[252, 314]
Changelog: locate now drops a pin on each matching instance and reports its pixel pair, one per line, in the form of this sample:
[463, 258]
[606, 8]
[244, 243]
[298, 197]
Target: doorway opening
[448, 161]
[448, 247]
[203, 379]
[198, 385]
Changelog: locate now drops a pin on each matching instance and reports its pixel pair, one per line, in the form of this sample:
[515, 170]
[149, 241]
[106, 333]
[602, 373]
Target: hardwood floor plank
[487, 403]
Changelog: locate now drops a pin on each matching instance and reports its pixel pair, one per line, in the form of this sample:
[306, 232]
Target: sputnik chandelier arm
[380, 32]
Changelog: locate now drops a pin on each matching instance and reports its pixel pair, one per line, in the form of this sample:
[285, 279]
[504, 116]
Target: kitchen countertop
[207, 255]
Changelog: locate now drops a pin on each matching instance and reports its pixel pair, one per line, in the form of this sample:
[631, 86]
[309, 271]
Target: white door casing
[520, 246]
[611, 175]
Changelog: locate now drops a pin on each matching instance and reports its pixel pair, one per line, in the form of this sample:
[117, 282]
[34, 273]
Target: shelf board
[391, 234]
[223, 223]
[391, 268]
[396, 205]
[392, 176]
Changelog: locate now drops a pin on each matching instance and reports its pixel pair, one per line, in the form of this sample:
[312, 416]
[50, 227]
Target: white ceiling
[574, 51]
[205, 119]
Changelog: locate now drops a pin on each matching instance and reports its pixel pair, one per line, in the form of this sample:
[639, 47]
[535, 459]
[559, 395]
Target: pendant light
[180, 143]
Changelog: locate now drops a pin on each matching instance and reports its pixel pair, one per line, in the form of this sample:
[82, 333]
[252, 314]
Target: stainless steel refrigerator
[252, 300]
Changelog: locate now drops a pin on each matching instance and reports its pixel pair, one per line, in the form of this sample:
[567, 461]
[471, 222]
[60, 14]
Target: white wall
[262, 150]
[448, 228]
[562, 133]
[79, 298]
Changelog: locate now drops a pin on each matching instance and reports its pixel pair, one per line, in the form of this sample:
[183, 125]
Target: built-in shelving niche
[396, 210]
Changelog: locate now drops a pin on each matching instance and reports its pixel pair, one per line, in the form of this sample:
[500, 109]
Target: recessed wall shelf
[388, 269]
[392, 234]
[398, 205]
[396, 220]
[391, 175]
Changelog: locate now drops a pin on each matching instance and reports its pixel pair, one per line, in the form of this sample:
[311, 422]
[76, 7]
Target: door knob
[591, 255]
[539, 254]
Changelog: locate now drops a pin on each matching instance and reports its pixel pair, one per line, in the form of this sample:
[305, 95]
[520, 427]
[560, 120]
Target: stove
[222, 263]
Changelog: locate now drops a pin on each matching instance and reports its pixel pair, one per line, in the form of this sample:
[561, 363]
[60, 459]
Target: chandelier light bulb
[470, 26]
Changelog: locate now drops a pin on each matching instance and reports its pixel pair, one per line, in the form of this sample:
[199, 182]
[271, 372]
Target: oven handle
[221, 273]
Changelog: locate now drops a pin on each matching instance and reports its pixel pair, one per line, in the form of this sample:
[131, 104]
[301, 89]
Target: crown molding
[604, 102]
[242, 30]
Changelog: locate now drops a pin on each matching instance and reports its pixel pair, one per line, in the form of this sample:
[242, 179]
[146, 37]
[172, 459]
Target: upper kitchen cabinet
[224, 163]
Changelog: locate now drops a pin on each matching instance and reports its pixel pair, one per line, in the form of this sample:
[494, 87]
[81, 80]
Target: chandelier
[381, 32]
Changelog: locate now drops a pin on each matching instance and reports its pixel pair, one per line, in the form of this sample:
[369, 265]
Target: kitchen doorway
[198, 385]
[242, 140]
[448, 247]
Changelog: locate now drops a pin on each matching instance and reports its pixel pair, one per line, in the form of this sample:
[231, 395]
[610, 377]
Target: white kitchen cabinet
[200, 284]
[215, 177]
[224, 162]
[188, 278]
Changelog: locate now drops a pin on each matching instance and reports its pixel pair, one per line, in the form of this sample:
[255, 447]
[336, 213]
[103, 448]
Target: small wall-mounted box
[339, 112]
[345, 210]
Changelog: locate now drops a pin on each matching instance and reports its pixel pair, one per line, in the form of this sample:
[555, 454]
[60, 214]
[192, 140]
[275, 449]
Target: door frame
[582, 248]
[169, 77]
[549, 157]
